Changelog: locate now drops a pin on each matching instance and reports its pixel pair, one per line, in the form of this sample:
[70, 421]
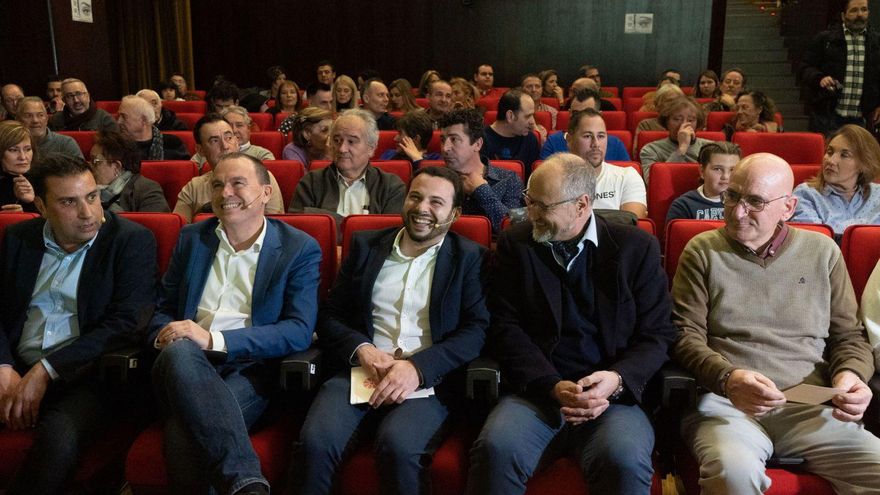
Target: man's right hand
[753, 393]
[828, 83]
[9, 379]
[369, 357]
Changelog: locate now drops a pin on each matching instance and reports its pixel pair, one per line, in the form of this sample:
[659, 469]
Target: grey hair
[239, 110]
[150, 92]
[371, 131]
[577, 176]
[142, 106]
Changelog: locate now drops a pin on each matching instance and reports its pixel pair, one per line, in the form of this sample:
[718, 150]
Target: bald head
[767, 168]
[582, 83]
[11, 94]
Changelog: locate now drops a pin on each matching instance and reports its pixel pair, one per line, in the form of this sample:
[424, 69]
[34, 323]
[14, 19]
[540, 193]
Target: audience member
[135, 121]
[663, 96]
[80, 112]
[592, 72]
[755, 112]
[439, 100]
[10, 95]
[320, 96]
[671, 75]
[376, 102]
[843, 193]
[224, 94]
[311, 133]
[32, 113]
[179, 80]
[402, 99]
[254, 302]
[286, 98]
[484, 79]
[166, 120]
[580, 323]
[54, 101]
[365, 75]
[587, 83]
[350, 185]
[708, 85]
[531, 85]
[617, 188]
[169, 91]
[748, 330]
[733, 82]
[682, 118]
[76, 283]
[550, 87]
[839, 71]
[402, 339]
[428, 78]
[464, 93]
[704, 203]
[488, 190]
[16, 191]
[414, 132]
[345, 94]
[276, 75]
[580, 101]
[326, 73]
[241, 123]
[116, 165]
[510, 136]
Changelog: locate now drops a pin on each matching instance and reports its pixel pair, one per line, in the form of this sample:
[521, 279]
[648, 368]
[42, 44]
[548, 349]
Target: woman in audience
[733, 82]
[16, 193]
[704, 202]
[464, 94]
[550, 87]
[345, 94]
[755, 112]
[843, 193]
[663, 96]
[276, 75]
[708, 85]
[429, 77]
[116, 165]
[870, 309]
[414, 131]
[286, 99]
[311, 129]
[682, 118]
[401, 97]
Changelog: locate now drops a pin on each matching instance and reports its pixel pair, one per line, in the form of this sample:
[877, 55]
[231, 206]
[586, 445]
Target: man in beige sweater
[762, 307]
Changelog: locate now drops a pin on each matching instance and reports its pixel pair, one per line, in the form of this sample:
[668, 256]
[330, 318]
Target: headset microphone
[248, 205]
[437, 225]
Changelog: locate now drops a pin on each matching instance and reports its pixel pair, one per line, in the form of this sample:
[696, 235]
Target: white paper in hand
[362, 387]
[810, 394]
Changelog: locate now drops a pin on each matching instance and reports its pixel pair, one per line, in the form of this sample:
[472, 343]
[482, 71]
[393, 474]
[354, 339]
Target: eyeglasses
[75, 96]
[97, 161]
[750, 203]
[530, 203]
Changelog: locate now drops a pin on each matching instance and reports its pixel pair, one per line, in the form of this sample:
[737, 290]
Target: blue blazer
[285, 295]
[114, 295]
[458, 313]
[633, 308]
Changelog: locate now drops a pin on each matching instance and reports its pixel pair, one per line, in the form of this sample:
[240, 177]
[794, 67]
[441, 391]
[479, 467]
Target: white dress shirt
[354, 199]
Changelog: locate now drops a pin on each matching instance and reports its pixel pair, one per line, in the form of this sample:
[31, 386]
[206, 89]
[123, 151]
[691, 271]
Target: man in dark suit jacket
[74, 284]
[240, 291]
[408, 307]
[580, 322]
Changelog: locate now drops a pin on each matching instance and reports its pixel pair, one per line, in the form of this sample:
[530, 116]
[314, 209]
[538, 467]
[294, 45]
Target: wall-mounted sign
[638, 23]
[82, 10]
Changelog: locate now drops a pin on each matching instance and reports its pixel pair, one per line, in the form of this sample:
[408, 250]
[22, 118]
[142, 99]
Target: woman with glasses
[16, 192]
[116, 167]
[843, 193]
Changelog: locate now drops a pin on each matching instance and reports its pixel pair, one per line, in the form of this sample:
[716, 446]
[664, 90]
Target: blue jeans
[613, 450]
[209, 410]
[407, 436]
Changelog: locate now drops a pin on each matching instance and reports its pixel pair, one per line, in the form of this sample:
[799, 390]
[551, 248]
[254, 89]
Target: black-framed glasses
[751, 203]
[530, 203]
[74, 96]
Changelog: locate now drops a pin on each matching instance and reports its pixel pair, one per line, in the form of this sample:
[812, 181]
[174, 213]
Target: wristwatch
[722, 383]
[617, 393]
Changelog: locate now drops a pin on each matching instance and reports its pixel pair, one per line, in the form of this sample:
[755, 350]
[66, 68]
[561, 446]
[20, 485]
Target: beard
[420, 236]
[544, 231]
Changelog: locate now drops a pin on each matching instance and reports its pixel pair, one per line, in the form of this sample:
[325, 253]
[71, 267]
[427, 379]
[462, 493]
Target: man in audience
[222, 95]
[214, 138]
[11, 94]
[240, 121]
[583, 99]
[375, 98]
[531, 85]
[402, 338]
[840, 72]
[80, 112]
[587, 83]
[320, 96]
[166, 120]
[350, 185]
[592, 72]
[32, 113]
[488, 190]
[326, 73]
[439, 100]
[135, 121]
[179, 80]
[510, 137]
[580, 323]
[54, 102]
[241, 292]
[745, 342]
[76, 283]
[617, 188]
[484, 78]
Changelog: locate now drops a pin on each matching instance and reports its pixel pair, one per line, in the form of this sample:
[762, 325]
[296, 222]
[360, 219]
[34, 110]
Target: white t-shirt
[618, 185]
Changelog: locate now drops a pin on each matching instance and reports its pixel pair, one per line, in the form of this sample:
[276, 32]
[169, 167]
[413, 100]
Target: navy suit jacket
[458, 313]
[632, 307]
[114, 295]
[284, 303]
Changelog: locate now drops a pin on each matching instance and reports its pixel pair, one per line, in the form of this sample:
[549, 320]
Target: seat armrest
[300, 370]
[482, 380]
[872, 415]
[679, 387]
[122, 366]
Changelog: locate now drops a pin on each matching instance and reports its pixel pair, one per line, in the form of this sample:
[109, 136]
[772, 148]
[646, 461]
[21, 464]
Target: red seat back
[422, 102]
[166, 227]
[611, 89]
[323, 229]
[474, 227]
[552, 102]
[189, 119]
[617, 103]
[636, 116]
[188, 139]
[668, 182]
[386, 142]
[271, 140]
[861, 250]
[288, 173]
[804, 172]
[172, 175]
[488, 103]
[624, 136]
[637, 91]
[648, 226]
[195, 106]
[434, 143]
[263, 122]
[84, 139]
[109, 106]
[715, 120]
[793, 147]
[7, 219]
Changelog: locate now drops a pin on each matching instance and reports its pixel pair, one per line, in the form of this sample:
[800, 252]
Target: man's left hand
[27, 396]
[593, 401]
[470, 182]
[850, 405]
[184, 329]
[401, 379]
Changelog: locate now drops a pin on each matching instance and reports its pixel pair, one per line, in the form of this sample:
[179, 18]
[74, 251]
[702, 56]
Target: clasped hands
[588, 398]
[20, 396]
[395, 378]
[184, 329]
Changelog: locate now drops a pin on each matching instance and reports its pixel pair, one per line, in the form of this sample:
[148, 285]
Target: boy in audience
[704, 203]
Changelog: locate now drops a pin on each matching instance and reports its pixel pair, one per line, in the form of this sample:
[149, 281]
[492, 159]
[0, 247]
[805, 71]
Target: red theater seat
[793, 147]
[166, 227]
[271, 140]
[474, 227]
[861, 250]
[715, 120]
[668, 182]
[196, 106]
[386, 142]
[263, 121]
[636, 116]
[804, 172]
[617, 103]
[625, 137]
[637, 91]
[109, 106]
[615, 92]
[84, 139]
[171, 175]
[7, 219]
[488, 103]
[188, 139]
[288, 173]
[189, 119]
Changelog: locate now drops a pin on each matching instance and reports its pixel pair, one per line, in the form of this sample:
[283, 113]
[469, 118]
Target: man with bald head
[166, 120]
[580, 322]
[80, 112]
[586, 82]
[745, 342]
[136, 119]
[11, 94]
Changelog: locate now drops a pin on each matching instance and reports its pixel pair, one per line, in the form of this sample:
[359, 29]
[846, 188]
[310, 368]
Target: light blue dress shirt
[831, 208]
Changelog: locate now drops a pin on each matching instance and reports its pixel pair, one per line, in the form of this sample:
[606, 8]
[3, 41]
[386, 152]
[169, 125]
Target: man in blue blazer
[74, 284]
[580, 322]
[408, 308]
[241, 290]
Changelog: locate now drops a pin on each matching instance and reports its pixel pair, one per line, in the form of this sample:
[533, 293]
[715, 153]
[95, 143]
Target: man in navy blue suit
[241, 289]
[408, 309]
[74, 284]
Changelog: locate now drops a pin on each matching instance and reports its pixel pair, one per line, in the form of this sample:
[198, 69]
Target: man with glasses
[762, 307]
[580, 322]
[80, 112]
